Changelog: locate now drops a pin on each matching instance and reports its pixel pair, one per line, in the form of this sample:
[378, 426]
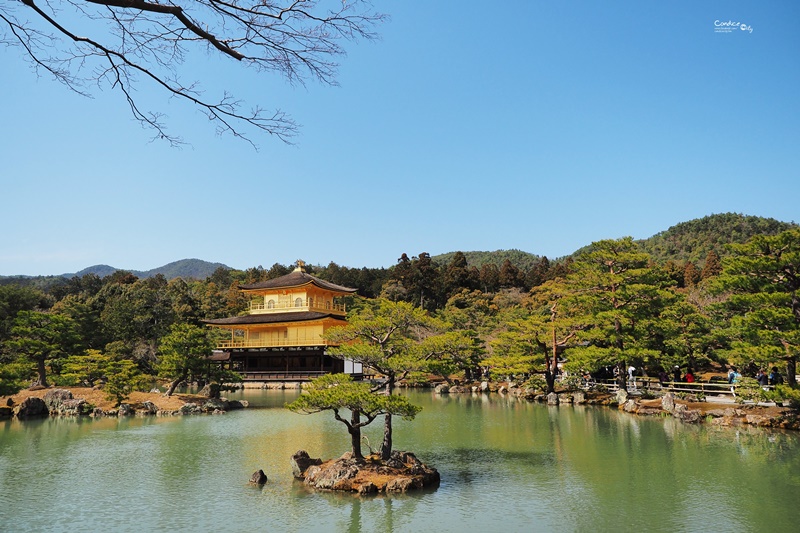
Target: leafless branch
[141, 41]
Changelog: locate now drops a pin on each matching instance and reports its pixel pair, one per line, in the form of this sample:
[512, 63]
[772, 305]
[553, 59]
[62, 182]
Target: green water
[506, 465]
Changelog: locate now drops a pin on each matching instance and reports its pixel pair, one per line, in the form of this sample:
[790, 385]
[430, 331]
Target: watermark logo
[729, 26]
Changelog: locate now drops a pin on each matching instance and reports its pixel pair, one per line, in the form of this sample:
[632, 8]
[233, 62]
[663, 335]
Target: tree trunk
[355, 434]
[791, 371]
[622, 376]
[40, 369]
[174, 385]
[386, 445]
[551, 363]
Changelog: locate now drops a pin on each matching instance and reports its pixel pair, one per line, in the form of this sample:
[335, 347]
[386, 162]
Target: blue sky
[540, 126]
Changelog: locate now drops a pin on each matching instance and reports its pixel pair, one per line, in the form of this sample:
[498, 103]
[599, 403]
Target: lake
[506, 465]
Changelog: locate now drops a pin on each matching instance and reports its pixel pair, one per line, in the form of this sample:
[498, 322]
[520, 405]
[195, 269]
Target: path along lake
[506, 465]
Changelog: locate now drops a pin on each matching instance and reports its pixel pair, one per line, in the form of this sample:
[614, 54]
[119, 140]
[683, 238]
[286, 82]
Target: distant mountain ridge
[686, 241]
[185, 268]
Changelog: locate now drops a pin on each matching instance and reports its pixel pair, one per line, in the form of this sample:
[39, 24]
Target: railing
[259, 307]
[272, 343]
[302, 375]
[705, 388]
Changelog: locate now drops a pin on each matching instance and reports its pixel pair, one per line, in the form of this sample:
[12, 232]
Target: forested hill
[185, 268]
[693, 240]
[522, 260]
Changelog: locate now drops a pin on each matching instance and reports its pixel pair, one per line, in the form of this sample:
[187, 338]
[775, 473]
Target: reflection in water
[505, 464]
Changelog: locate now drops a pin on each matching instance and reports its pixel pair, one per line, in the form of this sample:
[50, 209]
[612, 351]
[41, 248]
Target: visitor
[733, 378]
[676, 373]
[689, 377]
[631, 377]
[662, 377]
[763, 378]
[775, 377]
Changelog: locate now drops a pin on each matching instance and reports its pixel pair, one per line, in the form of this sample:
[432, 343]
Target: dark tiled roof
[218, 355]
[297, 278]
[272, 318]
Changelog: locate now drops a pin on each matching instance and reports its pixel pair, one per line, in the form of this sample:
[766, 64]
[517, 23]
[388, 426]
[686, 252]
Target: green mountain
[693, 240]
[522, 260]
[185, 268]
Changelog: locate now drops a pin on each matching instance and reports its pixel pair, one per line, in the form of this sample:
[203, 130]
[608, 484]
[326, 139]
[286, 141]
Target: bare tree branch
[123, 43]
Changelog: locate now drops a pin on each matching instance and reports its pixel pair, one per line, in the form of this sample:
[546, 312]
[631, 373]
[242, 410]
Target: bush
[782, 393]
[124, 378]
[14, 377]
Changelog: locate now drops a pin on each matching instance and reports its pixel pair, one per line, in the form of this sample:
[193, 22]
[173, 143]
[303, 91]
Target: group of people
[676, 377]
[773, 378]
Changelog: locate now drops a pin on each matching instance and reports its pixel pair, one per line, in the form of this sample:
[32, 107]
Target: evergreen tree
[618, 296]
[761, 282]
[712, 266]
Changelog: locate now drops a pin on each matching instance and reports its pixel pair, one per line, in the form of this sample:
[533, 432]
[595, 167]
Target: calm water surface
[506, 465]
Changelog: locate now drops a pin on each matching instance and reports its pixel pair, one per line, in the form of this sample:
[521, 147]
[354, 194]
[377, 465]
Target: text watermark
[729, 26]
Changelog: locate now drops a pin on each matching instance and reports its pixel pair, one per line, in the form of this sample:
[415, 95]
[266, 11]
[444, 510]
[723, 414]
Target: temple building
[281, 339]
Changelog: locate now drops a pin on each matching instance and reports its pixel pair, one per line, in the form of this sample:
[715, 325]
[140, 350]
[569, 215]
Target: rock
[10, 402]
[234, 405]
[552, 399]
[629, 406]
[368, 488]
[668, 402]
[565, 398]
[502, 389]
[211, 390]
[148, 408]
[441, 389]
[73, 407]
[190, 409]
[474, 389]
[622, 396]
[651, 411]
[6, 412]
[403, 471]
[125, 409]
[54, 397]
[400, 484]
[258, 478]
[337, 475]
[758, 420]
[579, 397]
[31, 408]
[301, 461]
[529, 393]
[215, 404]
[687, 415]
[484, 386]
[512, 385]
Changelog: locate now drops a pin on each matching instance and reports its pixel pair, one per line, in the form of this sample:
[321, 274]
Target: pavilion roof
[298, 278]
[272, 318]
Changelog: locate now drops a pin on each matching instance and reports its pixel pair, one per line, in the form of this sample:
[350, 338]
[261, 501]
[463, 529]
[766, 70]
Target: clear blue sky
[540, 126]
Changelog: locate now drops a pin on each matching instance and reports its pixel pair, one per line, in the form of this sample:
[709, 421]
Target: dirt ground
[98, 399]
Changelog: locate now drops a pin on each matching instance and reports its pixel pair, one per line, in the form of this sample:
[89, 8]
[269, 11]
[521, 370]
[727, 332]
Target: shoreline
[84, 401]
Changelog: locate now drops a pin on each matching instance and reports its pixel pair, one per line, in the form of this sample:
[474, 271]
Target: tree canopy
[338, 393]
